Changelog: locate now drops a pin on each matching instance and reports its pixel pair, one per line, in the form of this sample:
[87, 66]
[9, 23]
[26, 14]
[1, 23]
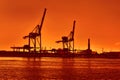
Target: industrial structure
[68, 41]
[34, 37]
[68, 45]
[89, 51]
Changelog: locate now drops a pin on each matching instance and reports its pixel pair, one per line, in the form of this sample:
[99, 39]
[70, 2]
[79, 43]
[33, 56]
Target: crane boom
[73, 30]
[36, 33]
[40, 26]
[73, 33]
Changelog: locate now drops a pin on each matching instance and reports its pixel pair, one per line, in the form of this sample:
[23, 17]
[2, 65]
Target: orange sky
[96, 19]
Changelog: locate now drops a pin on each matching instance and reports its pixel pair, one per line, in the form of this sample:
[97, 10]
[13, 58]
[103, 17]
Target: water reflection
[68, 71]
[38, 69]
[32, 69]
[89, 69]
[46, 68]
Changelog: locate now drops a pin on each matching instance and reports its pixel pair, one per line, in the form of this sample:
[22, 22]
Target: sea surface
[51, 68]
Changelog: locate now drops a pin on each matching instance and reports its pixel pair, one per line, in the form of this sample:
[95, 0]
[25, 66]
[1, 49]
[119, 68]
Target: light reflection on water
[59, 68]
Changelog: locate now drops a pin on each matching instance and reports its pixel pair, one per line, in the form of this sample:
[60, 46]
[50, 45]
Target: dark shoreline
[66, 55]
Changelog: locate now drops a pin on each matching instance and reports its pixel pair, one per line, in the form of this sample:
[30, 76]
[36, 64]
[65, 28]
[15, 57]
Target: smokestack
[88, 44]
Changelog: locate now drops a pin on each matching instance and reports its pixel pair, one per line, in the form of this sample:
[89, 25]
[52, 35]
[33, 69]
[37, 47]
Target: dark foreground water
[48, 68]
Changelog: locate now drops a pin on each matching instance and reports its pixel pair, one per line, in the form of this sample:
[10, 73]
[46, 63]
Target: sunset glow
[98, 20]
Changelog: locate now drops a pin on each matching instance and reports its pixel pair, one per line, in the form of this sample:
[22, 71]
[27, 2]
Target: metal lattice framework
[67, 40]
[35, 35]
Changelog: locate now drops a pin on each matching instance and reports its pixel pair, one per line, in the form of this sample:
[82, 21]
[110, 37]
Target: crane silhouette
[67, 40]
[35, 35]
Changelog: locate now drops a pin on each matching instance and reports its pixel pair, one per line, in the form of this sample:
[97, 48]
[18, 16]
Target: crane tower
[35, 35]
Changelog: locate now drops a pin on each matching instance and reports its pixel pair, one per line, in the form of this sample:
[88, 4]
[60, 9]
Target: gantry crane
[35, 35]
[66, 40]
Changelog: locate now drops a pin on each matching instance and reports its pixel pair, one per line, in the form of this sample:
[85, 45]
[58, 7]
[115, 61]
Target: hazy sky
[98, 20]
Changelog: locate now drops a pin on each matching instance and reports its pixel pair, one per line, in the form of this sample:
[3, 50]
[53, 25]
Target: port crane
[35, 35]
[67, 40]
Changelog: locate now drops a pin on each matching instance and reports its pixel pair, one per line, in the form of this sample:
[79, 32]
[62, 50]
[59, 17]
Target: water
[47, 68]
